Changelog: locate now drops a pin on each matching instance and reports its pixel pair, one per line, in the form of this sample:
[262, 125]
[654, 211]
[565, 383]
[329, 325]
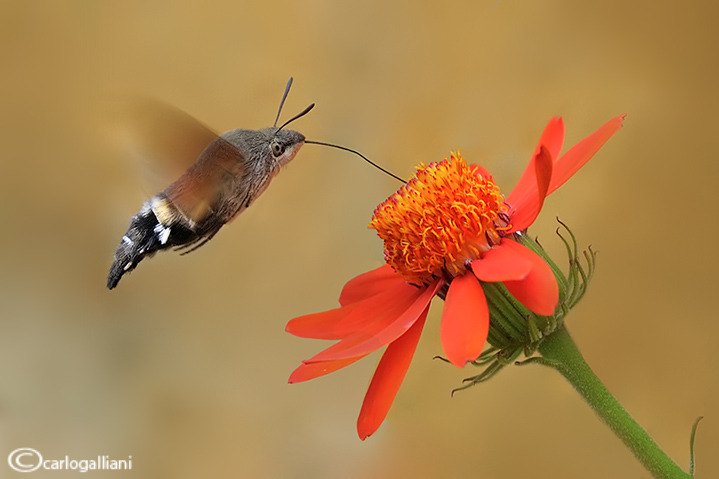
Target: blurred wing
[200, 190]
[165, 140]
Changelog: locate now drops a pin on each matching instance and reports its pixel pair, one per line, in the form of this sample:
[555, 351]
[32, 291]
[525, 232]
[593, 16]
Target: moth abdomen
[144, 237]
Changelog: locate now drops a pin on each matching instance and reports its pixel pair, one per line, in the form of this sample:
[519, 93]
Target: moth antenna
[299, 115]
[284, 97]
[358, 154]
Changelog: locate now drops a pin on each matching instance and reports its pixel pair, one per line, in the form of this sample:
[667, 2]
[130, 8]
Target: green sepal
[514, 329]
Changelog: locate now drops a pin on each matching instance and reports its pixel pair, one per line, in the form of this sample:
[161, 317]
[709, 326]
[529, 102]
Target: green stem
[562, 354]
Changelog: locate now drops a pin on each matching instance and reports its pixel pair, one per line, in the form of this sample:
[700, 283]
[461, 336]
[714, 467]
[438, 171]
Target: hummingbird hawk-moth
[230, 173]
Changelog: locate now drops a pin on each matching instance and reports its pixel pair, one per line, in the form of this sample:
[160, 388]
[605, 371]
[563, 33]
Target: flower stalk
[559, 352]
[516, 330]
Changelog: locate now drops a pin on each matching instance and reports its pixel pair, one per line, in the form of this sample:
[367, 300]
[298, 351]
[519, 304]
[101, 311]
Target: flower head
[447, 232]
[447, 215]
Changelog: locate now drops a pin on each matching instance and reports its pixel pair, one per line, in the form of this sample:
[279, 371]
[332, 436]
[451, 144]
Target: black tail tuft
[142, 239]
[146, 235]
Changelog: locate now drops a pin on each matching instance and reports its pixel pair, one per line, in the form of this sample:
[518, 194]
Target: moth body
[227, 177]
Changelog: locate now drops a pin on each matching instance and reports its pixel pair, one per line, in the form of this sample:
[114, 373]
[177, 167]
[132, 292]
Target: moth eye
[277, 149]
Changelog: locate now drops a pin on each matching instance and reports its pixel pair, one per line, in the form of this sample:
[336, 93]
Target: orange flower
[446, 231]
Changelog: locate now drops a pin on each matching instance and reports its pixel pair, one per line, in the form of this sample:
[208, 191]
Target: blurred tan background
[184, 365]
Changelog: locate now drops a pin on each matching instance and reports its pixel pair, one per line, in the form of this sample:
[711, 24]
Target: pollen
[448, 214]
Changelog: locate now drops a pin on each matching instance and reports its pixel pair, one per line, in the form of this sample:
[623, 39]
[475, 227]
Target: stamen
[443, 218]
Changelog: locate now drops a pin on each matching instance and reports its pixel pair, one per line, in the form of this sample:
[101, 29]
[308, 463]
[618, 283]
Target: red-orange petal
[539, 291]
[570, 162]
[465, 320]
[388, 377]
[368, 284]
[527, 207]
[501, 263]
[340, 322]
[319, 325]
[553, 139]
[307, 371]
[387, 327]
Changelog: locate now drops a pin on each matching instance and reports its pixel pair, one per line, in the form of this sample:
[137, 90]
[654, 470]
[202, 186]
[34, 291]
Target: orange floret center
[447, 215]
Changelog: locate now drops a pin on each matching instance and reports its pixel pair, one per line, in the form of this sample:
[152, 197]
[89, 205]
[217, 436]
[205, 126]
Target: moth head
[285, 144]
